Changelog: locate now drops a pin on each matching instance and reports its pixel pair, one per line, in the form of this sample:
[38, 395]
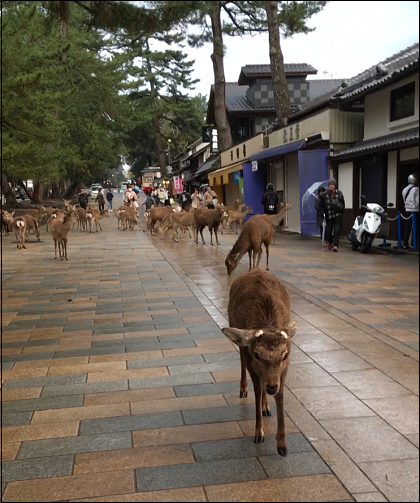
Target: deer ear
[291, 329]
[241, 337]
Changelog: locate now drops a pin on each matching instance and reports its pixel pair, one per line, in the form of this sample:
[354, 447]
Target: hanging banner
[178, 184]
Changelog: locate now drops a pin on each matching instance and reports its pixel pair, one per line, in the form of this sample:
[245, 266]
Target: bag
[337, 206]
[272, 202]
[385, 228]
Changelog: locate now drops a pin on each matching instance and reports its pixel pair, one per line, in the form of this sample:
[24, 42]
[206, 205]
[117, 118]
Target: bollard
[399, 247]
[414, 219]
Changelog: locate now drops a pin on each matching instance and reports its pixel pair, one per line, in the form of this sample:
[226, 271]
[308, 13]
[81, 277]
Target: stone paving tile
[207, 389]
[400, 412]
[180, 404]
[9, 451]
[166, 362]
[41, 404]
[73, 445]
[367, 497]
[79, 413]
[199, 474]
[295, 465]
[85, 388]
[45, 381]
[39, 468]
[16, 419]
[39, 431]
[194, 495]
[165, 381]
[20, 394]
[232, 413]
[129, 396]
[130, 423]
[71, 487]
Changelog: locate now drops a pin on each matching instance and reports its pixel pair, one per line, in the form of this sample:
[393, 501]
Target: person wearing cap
[270, 201]
[333, 204]
[411, 202]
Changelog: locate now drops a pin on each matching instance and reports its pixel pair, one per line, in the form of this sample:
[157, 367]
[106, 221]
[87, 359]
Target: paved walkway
[118, 384]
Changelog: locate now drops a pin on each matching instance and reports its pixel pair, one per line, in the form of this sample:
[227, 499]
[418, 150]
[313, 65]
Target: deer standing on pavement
[260, 324]
[60, 229]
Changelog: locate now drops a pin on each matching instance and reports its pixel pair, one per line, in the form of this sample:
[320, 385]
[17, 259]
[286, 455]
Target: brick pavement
[118, 385]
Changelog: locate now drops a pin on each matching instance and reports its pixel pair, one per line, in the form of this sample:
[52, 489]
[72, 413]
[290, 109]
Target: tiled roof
[388, 142]
[302, 68]
[318, 99]
[236, 100]
[403, 61]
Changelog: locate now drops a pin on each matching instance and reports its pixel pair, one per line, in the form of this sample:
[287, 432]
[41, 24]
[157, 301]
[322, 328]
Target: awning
[277, 151]
[205, 168]
[407, 138]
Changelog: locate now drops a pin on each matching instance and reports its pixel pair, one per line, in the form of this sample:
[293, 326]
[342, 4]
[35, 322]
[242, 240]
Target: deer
[128, 217]
[184, 220]
[94, 217]
[58, 213]
[60, 229]
[237, 217]
[19, 228]
[205, 217]
[6, 222]
[39, 213]
[256, 232]
[157, 215]
[237, 206]
[32, 225]
[82, 221]
[277, 219]
[260, 324]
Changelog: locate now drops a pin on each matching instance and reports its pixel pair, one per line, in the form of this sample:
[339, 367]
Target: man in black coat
[270, 201]
[333, 204]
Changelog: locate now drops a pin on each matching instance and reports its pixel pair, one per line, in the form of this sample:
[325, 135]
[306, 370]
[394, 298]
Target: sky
[349, 38]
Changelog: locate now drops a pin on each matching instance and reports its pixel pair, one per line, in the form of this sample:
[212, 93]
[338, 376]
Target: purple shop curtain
[313, 172]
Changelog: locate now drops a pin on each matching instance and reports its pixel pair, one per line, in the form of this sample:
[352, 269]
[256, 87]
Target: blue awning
[276, 151]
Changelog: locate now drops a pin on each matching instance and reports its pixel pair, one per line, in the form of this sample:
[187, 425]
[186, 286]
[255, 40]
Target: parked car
[94, 190]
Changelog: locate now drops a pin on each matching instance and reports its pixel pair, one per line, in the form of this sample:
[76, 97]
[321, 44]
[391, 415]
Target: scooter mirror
[363, 200]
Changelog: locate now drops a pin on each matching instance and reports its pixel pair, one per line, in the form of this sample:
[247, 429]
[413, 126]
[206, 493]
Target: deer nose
[272, 390]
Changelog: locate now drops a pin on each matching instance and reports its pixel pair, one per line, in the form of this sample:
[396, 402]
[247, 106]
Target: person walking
[320, 214]
[100, 199]
[270, 201]
[109, 198]
[196, 199]
[186, 199]
[333, 204]
[411, 203]
[210, 197]
[83, 199]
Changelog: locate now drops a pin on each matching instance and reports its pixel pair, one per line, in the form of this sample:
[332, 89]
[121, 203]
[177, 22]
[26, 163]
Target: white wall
[392, 177]
[377, 112]
[345, 182]
[409, 154]
[293, 191]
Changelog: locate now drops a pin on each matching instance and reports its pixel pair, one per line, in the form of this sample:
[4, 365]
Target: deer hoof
[282, 451]
[243, 394]
[259, 439]
[266, 413]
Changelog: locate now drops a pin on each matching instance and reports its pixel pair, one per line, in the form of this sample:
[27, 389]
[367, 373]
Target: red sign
[178, 184]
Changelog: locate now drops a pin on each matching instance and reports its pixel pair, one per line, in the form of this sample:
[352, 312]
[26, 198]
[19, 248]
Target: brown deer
[237, 217]
[157, 215]
[128, 218]
[82, 221]
[94, 217]
[260, 324]
[208, 218]
[32, 225]
[6, 222]
[256, 232]
[184, 220]
[19, 228]
[277, 219]
[60, 229]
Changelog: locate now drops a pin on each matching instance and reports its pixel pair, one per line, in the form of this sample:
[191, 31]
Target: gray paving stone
[188, 337]
[37, 382]
[160, 346]
[297, 464]
[134, 341]
[109, 350]
[222, 357]
[27, 357]
[221, 414]
[165, 362]
[130, 423]
[72, 445]
[246, 448]
[16, 419]
[199, 474]
[164, 381]
[42, 404]
[208, 389]
[23, 344]
[203, 367]
[85, 388]
[200, 328]
[19, 326]
[80, 325]
[39, 468]
[7, 365]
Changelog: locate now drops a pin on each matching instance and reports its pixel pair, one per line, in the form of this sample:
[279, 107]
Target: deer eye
[285, 357]
[257, 356]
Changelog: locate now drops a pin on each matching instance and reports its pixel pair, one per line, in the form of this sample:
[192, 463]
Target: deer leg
[65, 247]
[259, 424]
[281, 431]
[266, 412]
[250, 260]
[259, 257]
[267, 252]
[244, 384]
[100, 226]
[202, 237]
[216, 231]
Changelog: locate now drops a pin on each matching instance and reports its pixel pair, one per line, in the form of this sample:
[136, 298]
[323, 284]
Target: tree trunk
[55, 190]
[222, 124]
[25, 189]
[6, 190]
[70, 190]
[37, 197]
[281, 91]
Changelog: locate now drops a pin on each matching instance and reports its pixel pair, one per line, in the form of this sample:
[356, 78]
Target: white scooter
[367, 227]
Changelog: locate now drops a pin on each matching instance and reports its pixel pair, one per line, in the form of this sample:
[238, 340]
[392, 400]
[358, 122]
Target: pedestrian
[210, 198]
[411, 202]
[333, 204]
[320, 214]
[196, 199]
[270, 201]
[149, 202]
[109, 198]
[100, 199]
[83, 199]
[186, 199]
[162, 195]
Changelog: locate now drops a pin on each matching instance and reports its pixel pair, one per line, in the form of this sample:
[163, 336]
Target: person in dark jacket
[319, 210]
[270, 201]
[333, 204]
[83, 199]
[109, 198]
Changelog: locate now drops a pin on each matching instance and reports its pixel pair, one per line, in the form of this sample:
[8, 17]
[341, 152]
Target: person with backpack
[186, 199]
[270, 201]
[333, 205]
[411, 202]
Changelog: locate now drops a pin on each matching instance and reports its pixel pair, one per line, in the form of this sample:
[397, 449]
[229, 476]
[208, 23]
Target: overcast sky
[349, 38]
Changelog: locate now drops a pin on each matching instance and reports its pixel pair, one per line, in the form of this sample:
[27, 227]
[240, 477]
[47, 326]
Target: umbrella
[324, 228]
[146, 189]
[310, 196]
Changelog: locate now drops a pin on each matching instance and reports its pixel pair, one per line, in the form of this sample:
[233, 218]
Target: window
[403, 102]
